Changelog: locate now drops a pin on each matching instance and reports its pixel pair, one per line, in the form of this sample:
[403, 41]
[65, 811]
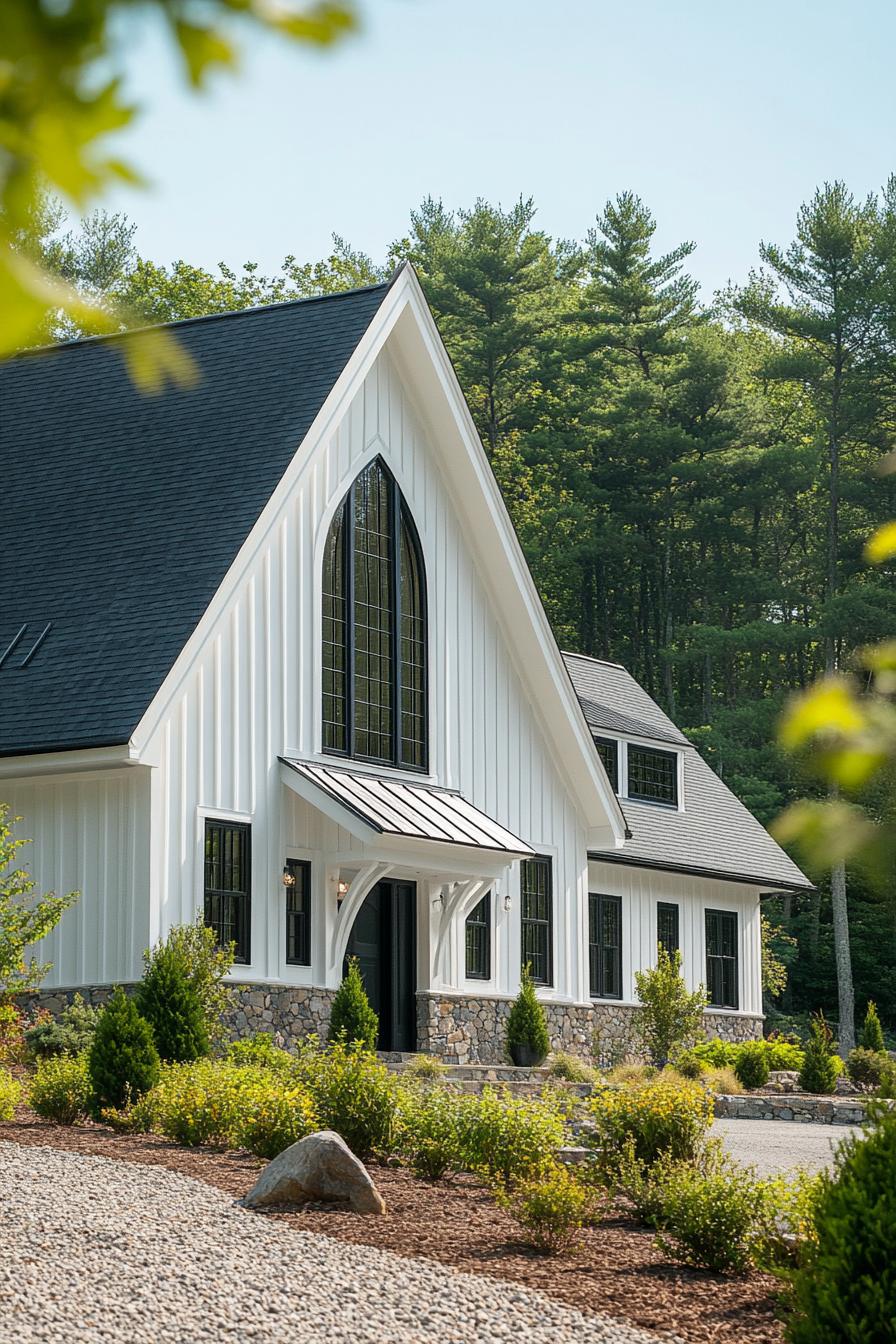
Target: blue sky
[722, 115]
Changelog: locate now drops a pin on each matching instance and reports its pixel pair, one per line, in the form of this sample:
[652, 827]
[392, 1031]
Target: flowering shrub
[60, 1089]
[509, 1139]
[663, 1116]
[10, 1094]
[551, 1208]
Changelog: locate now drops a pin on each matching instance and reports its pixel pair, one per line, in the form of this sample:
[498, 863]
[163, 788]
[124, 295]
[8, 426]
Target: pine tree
[527, 1027]
[352, 1020]
[819, 1071]
[123, 1060]
[872, 1035]
[171, 1006]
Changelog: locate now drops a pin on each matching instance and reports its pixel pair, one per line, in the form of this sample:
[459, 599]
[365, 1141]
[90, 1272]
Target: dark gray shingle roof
[715, 834]
[124, 511]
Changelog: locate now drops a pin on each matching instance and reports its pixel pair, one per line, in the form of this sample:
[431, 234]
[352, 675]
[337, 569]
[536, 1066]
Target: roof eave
[694, 870]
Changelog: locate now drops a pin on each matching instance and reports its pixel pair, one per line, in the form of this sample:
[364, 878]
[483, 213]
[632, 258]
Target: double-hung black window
[652, 775]
[227, 885]
[373, 650]
[721, 958]
[298, 913]
[536, 910]
[667, 926]
[478, 940]
[605, 946]
[608, 751]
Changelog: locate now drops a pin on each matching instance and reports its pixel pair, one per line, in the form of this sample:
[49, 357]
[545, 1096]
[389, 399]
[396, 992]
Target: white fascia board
[68, 762]
[433, 386]
[318, 798]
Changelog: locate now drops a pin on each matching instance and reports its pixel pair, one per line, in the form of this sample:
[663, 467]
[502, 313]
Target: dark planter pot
[526, 1056]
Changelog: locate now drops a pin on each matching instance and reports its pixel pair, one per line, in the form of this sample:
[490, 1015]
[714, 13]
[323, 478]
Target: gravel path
[779, 1146]
[94, 1251]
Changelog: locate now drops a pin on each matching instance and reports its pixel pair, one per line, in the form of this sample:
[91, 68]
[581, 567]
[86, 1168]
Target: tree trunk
[845, 996]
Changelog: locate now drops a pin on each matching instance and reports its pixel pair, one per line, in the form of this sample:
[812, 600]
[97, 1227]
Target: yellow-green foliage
[210, 1101]
[353, 1093]
[271, 1116]
[551, 1207]
[508, 1139]
[10, 1094]
[260, 1051]
[630, 1075]
[663, 1116]
[723, 1081]
[428, 1131]
[571, 1069]
[60, 1088]
[425, 1068]
[12, 1034]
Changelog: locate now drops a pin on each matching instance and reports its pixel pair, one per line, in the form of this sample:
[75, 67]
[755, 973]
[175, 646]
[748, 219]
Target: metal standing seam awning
[393, 807]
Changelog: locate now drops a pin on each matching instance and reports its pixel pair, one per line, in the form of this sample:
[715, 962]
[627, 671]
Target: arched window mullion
[395, 632]
[349, 584]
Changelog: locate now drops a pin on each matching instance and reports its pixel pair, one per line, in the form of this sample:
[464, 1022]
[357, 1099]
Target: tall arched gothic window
[374, 627]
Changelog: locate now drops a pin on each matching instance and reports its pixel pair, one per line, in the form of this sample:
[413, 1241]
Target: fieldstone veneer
[464, 1030]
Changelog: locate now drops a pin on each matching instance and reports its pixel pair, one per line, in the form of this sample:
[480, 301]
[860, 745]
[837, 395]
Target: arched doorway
[384, 939]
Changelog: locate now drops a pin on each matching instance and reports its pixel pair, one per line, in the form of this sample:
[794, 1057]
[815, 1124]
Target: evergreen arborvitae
[352, 1019]
[526, 1023]
[845, 1285]
[871, 1036]
[819, 1071]
[123, 1060]
[172, 1007]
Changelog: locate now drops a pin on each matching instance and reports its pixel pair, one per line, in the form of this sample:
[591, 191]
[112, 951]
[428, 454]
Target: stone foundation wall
[801, 1108]
[453, 1027]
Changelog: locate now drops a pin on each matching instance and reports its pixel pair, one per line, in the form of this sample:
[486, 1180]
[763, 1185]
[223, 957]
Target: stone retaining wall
[801, 1108]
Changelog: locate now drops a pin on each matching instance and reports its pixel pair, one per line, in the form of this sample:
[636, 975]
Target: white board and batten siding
[90, 834]
[641, 888]
[252, 693]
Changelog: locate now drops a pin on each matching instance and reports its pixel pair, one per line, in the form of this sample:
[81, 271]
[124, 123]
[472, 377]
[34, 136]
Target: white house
[269, 649]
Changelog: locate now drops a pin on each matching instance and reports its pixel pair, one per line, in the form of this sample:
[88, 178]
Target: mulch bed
[617, 1270]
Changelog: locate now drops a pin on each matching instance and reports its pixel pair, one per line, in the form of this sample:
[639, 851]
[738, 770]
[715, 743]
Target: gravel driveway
[95, 1251]
[775, 1146]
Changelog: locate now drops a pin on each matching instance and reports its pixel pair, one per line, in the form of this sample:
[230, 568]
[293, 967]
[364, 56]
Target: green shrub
[425, 1068]
[723, 1081]
[711, 1215]
[844, 1287]
[197, 1102]
[170, 1004]
[70, 1034]
[260, 1051]
[123, 1060]
[663, 1116]
[270, 1116]
[352, 1020]
[354, 1094]
[689, 1064]
[819, 1071]
[60, 1088]
[751, 1067]
[571, 1069]
[868, 1067]
[204, 965]
[670, 1015]
[10, 1094]
[551, 1208]
[779, 1053]
[429, 1131]
[508, 1139]
[12, 1033]
[527, 1027]
[871, 1036]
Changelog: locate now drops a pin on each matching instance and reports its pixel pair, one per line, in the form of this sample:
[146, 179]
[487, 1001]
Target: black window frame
[722, 967]
[653, 799]
[406, 692]
[478, 940]
[298, 921]
[609, 747]
[241, 918]
[668, 910]
[537, 928]
[599, 903]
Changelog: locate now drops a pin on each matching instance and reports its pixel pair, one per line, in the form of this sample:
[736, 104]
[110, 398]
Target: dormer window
[652, 775]
[373, 650]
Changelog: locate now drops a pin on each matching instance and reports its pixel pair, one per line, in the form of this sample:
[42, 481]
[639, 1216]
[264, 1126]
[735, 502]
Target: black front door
[384, 939]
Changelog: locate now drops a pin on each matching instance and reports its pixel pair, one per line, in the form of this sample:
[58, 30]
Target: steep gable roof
[125, 510]
[715, 834]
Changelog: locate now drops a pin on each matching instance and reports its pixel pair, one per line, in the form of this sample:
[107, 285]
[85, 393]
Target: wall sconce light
[438, 902]
[508, 903]
[288, 879]
[341, 893]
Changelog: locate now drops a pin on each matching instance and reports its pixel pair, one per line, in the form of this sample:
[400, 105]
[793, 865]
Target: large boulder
[321, 1166]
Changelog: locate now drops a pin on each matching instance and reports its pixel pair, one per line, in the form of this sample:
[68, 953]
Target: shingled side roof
[715, 835]
[124, 511]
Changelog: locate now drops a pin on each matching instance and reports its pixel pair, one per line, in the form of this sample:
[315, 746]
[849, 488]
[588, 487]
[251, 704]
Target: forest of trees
[692, 484]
